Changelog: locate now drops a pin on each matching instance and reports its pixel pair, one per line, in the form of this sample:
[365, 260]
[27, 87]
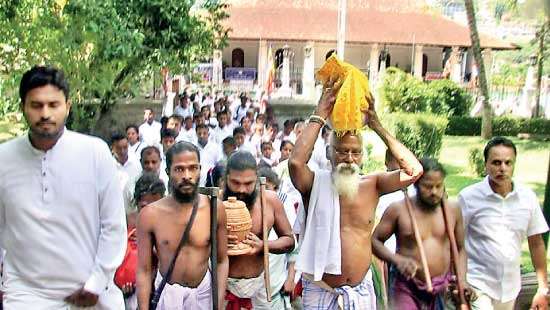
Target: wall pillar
[262, 62]
[308, 72]
[285, 90]
[373, 63]
[418, 57]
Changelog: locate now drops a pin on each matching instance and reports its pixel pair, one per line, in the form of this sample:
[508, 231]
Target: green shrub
[476, 161]
[502, 126]
[401, 92]
[422, 133]
[464, 126]
[445, 97]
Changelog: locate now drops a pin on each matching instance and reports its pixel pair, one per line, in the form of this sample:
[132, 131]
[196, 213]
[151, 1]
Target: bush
[476, 161]
[502, 126]
[422, 133]
[401, 92]
[445, 97]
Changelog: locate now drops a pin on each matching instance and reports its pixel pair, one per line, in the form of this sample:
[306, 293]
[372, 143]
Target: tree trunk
[486, 122]
[540, 62]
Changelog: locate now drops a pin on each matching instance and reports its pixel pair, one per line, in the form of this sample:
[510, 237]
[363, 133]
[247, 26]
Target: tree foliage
[105, 47]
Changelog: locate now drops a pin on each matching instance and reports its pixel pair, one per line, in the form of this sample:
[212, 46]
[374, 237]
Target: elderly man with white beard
[336, 224]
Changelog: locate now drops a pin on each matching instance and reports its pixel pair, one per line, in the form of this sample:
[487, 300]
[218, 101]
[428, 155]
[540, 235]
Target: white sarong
[319, 296]
[177, 297]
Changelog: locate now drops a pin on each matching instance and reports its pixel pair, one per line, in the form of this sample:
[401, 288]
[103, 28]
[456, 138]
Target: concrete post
[262, 62]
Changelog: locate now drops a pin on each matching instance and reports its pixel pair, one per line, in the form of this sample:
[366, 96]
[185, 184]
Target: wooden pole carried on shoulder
[265, 235]
[454, 254]
[418, 239]
[212, 192]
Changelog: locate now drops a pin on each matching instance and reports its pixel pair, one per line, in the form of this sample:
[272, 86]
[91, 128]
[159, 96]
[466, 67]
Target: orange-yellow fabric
[351, 98]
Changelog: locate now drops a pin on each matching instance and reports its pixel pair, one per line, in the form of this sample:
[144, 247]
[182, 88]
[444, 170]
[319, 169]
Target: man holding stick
[336, 224]
[246, 287]
[408, 288]
[160, 227]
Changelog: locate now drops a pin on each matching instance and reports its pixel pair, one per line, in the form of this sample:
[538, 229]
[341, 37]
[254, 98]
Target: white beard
[346, 179]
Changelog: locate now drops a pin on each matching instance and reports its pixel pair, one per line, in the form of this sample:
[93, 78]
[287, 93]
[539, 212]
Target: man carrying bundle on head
[408, 285]
[339, 205]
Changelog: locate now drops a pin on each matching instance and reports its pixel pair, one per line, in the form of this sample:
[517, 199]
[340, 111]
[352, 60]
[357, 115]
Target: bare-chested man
[246, 281]
[335, 236]
[408, 288]
[160, 227]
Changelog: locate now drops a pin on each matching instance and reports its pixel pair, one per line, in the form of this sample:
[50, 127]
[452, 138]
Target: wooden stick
[418, 238]
[265, 236]
[454, 254]
[213, 193]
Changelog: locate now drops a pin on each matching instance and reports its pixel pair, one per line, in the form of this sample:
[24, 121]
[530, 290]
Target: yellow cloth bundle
[351, 98]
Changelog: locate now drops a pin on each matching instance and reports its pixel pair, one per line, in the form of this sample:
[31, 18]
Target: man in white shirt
[128, 168]
[134, 144]
[149, 131]
[210, 151]
[188, 133]
[241, 141]
[224, 129]
[184, 108]
[175, 122]
[150, 163]
[498, 214]
[61, 210]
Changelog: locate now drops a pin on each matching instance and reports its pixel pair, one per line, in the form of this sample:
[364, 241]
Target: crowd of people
[74, 210]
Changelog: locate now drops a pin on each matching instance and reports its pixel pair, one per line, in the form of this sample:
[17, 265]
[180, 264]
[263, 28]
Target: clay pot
[239, 224]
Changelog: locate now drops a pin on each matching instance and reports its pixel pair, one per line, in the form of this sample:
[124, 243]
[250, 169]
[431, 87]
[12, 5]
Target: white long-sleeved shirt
[62, 220]
[494, 229]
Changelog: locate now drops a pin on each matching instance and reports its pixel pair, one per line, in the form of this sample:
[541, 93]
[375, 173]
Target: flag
[270, 70]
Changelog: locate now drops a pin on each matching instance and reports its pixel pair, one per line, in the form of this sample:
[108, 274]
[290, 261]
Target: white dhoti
[253, 289]
[177, 297]
[111, 299]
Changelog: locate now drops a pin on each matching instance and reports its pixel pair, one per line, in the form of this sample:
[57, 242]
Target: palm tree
[486, 125]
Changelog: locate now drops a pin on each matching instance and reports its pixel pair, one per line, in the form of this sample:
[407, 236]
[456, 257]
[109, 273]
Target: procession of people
[126, 224]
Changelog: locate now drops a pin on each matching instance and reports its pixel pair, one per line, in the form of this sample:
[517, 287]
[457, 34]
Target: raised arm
[300, 174]
[411, 169]
[144, 274]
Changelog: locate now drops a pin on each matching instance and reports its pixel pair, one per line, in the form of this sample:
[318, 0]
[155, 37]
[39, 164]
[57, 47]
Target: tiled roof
[317, 21]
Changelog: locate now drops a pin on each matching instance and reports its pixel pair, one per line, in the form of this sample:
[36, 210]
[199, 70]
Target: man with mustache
[160, 228]
[61, 209]
[408, 288]
[246, 281]
[336, 222]
[499, 214]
